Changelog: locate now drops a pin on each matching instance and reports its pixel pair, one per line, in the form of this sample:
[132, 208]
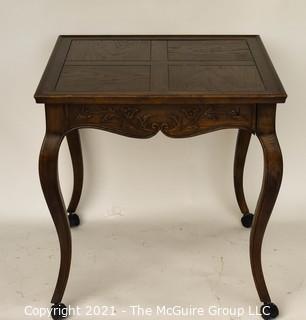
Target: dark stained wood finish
[48, 171]
[210, 50]
[109, 50]
[74, 144]
[182, 86]
[273, 170]
[159, 69]
[242, 145]
[175, 121]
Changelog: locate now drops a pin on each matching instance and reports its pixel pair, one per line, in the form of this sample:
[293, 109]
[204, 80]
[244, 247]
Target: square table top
[160, 69]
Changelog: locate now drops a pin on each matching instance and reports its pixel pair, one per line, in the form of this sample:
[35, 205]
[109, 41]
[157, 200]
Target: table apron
[145, 121]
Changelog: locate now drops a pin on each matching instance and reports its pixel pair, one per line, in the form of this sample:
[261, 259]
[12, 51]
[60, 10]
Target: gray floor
[159, 258]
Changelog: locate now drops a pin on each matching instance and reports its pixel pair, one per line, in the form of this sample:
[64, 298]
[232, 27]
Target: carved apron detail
[145, 121]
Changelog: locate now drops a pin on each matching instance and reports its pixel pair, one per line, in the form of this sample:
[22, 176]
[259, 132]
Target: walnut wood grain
[174, 121]
[182, 86]
[48, 170]
[273, 171]
[242, 145]
[159, 70]
[74, 144]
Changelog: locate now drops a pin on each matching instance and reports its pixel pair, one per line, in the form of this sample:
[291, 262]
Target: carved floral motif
[176, 121]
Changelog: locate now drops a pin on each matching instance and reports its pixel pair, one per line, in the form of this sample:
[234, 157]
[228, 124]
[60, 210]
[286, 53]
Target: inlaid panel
[104, 78]
[209, 50]
[155, 69]
[214, 78]
[93, 50]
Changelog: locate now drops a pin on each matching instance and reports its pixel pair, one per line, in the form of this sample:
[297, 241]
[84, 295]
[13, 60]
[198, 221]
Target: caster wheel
[247, 220]
[269, 311]
[59, 311]
[74, 220]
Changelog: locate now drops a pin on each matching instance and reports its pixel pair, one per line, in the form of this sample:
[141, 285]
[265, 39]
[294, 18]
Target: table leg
[242, 145]
[74, 143]
[48, 171]
[273, 168]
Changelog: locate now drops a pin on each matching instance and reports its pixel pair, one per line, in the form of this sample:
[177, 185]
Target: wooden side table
[182, 86]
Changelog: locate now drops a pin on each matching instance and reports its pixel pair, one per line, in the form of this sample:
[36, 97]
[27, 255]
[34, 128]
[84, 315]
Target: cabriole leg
[273, 168]
[74, 144]
[242, 145]
[48, 172]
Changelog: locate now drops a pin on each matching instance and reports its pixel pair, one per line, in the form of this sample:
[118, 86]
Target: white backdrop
[128, 178]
